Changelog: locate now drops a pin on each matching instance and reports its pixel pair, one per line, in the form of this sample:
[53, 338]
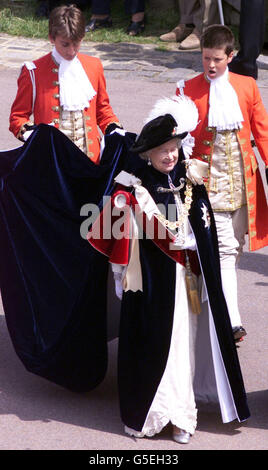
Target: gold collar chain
[184, 212]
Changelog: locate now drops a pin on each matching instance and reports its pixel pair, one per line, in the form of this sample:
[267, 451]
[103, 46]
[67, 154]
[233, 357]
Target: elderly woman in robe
[166, 268]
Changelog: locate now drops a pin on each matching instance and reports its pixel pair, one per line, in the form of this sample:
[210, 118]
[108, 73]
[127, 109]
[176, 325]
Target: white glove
[196, 170]
[190, 243]
[118, 285]
[26, 135]
[25, 131]
[119, 131]
[118, 289]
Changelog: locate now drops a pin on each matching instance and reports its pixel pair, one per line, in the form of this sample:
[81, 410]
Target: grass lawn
[17, 17]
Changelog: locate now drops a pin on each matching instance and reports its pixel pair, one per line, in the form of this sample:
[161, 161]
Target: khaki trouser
[201, 13]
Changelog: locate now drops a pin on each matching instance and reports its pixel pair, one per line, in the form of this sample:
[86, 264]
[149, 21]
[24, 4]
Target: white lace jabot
[75, 88]
[224, 109]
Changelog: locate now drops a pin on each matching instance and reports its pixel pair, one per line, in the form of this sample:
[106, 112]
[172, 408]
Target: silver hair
[146, 155]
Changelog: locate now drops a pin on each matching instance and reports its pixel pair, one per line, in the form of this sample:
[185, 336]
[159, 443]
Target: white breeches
[231, 230]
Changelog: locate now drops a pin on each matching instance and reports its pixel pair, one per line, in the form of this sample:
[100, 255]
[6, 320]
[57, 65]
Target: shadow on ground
[32, 398]
[127, 52]
[254, 262]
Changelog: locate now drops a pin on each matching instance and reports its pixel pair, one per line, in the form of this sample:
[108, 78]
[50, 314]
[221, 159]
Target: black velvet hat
[156, 132]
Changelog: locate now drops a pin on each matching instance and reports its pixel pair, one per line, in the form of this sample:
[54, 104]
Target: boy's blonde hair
[67, 21]
[219, 37]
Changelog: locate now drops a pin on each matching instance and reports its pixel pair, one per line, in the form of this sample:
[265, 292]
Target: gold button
[89, 128]
[204, 157]
[56, 121]
[55, 70]
[55, 82]
[209, 129]
[55, 108]
[206, 142]
[90, 154]
[56, 95]
[90, 141]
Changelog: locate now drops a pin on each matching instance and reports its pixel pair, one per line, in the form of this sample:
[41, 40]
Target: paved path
[38, 415]
[122, 60]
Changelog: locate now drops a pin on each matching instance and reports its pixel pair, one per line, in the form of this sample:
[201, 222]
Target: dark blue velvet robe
[147, 316]
[53, 283]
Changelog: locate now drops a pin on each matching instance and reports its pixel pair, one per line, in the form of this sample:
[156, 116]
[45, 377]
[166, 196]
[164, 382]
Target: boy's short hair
[67, 21]
[218, 36]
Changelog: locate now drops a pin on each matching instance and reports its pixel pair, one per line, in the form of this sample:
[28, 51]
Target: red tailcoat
[255, 122]
[47, 106]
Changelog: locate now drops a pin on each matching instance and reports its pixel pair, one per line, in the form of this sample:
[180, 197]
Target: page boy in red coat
[65, 88]
[230, 109]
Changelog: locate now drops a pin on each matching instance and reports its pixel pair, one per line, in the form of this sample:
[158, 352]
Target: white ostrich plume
[181, 107]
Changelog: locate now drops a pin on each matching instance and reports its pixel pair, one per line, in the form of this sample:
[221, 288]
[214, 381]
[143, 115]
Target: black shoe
[239, 332]
[98, 23]
[135, 28]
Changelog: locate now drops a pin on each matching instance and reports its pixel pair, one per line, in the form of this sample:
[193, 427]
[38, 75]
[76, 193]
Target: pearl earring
[149, 162]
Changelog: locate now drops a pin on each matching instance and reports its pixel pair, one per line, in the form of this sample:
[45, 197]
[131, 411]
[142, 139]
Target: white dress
[174, 400]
